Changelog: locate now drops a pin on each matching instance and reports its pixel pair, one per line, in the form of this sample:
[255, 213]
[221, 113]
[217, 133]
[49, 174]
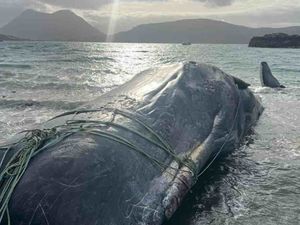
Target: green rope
[36, 141]
[17, 166]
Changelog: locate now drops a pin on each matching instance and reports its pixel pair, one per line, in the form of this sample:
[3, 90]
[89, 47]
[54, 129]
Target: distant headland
[9, 38]
[276, 40]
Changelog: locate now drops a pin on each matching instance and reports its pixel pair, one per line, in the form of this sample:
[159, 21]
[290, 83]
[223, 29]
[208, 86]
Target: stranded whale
[130, 156]
[266, 77]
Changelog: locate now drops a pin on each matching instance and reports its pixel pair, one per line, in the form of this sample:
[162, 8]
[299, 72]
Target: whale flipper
[266, 77]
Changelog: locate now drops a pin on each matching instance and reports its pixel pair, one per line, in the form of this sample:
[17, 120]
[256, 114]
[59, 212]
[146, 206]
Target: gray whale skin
[266, 77]
[88, 179]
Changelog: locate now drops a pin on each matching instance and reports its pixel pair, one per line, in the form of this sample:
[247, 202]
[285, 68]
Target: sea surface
[257, 184]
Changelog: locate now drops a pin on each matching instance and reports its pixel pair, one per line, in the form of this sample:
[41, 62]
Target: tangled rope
[38, 140]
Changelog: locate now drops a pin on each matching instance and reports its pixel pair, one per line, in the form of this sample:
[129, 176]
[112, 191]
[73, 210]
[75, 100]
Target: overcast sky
[128, 13]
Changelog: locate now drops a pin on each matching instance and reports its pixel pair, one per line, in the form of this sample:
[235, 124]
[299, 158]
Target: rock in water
[276, 40]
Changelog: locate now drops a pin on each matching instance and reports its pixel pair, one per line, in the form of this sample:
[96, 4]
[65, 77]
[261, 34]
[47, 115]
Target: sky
[122, 15]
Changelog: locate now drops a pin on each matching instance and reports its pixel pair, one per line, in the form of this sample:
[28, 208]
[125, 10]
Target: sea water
[257, 184]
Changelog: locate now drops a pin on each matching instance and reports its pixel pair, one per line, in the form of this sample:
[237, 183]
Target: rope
[17, 165]
[36, 141]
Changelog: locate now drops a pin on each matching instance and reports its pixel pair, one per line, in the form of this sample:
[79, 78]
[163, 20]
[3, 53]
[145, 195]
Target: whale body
[266, 77]
[91, 178]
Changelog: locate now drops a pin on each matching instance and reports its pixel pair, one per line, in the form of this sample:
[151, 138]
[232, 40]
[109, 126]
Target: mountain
[62, 25]
[196, 31]
[9, 38]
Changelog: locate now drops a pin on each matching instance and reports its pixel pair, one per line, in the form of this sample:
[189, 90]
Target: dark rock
[29, 103]
[276, 40]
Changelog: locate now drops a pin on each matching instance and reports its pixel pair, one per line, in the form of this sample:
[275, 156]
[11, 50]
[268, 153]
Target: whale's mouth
[181, 181]
[185, 178]
[181, 184]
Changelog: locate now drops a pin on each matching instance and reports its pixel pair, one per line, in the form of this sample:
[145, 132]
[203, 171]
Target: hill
[196, 31]
[276, 40]
[9, 38]
[62, 25]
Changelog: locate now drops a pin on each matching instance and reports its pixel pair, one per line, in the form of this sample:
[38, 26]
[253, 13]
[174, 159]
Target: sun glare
[112, 20]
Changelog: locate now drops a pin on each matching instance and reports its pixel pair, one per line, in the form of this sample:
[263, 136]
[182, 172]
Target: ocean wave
[49, 86]
[101, 58]
[19, 66]
[21, 104]
[296, 70]
[6, 74]
[16, 47]
[268, 90]
[73, 60]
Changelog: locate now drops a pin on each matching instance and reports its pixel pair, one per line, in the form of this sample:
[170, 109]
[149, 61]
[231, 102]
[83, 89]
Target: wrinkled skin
[87, 179]
[266, 77]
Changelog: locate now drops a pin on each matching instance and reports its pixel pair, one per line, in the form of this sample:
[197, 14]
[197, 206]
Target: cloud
[9, 9]
[96, 4]
[217, 2]
[77, 4]
[86, 4]
[254, 13]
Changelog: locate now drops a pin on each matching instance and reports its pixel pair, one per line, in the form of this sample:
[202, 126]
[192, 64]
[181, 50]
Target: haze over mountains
[64, 25]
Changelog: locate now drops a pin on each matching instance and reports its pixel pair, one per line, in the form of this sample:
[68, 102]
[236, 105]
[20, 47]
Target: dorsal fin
[240, 83]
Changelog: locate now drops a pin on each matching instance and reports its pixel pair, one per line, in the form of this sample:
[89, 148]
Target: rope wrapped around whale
[38, 140]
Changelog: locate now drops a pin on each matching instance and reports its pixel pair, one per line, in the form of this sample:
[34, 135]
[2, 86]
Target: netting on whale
[35, 141]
